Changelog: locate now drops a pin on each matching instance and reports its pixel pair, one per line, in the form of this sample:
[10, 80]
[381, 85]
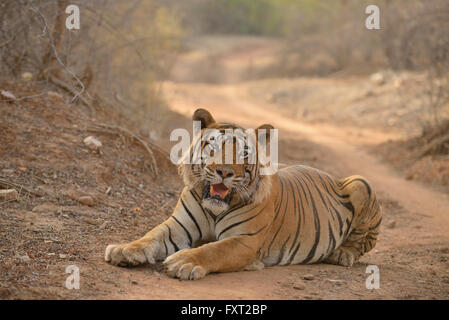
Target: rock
[391, 225]
[336, 282]
[7, 95]
[24, 258]
[86, 200]
[92, 143]
[8, 194]
[27, 76]
[299, 286]
[54, 94]
[378, 78]
[62, 256]
[308, 277]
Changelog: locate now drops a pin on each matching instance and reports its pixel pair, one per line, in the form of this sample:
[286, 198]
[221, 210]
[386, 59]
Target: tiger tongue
[219, 189]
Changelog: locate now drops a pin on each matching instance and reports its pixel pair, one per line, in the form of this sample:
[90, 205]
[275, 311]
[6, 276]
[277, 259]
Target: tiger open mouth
[217, 191]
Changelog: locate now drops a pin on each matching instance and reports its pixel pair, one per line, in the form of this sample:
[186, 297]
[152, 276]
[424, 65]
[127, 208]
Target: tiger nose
[224, 172]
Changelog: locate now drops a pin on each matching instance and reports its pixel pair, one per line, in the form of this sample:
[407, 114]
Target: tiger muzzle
[218, 192]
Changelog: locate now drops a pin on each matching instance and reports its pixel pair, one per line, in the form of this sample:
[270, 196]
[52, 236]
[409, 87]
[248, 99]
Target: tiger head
[228, 173]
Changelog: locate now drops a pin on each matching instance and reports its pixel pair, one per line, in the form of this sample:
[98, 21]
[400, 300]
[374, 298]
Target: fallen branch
[427, 150]
[71, 90]
[126, 132]
[19, 188]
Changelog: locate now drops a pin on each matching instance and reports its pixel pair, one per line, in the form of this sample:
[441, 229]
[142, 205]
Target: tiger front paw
[185, 266]
[130, 254]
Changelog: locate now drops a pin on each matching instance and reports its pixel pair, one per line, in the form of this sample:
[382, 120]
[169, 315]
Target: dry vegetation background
[125, 47]
[58, 86]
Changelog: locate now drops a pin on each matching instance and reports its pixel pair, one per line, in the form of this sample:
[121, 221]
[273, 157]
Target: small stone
[378, 78]
[86, 200]
[54, 94]
[8, 194]
[308, 277]
[336, 282]
[51, 254]
[134, 282]
[27, 76]
[391, 225]
[299, 286]
[62, 256]
[92, 143]
[24, 258]
[7, 95]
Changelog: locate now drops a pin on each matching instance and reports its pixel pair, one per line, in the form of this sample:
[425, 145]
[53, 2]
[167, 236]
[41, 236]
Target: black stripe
[238, 223]
[317, 232]
[253, 233]
[299, 224]
[243, 212]
[282, 220]
[282, 251]
[349, 206]
[332, 241]
[197, 199]
[301, 183]
[377, 224]
[294, 196]
[193, 218]
[331, 182]
[327, 189]
[187, 231]
[171, 240]
[221, 216]
[361, 180]
[340, 222]
[166, 249]
[280, 198]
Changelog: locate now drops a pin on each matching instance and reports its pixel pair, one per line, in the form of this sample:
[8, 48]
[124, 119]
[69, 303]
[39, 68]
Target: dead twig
[19, 188]
[427, 150]
[71, 90]
[123, 131]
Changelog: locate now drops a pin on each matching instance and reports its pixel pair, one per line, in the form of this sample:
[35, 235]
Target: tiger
[230, 217]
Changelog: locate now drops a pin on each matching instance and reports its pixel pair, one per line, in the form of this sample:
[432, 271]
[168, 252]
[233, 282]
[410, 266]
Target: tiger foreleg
[156, 245]
[231, 254]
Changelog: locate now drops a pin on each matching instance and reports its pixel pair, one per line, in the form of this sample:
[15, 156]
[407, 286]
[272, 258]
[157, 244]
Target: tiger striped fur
[298, 215]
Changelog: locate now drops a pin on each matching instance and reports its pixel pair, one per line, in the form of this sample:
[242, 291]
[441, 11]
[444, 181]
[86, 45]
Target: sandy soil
[412, 252]
[41, 236]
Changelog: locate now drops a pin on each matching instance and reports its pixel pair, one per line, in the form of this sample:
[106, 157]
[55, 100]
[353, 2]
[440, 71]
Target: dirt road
[41, 236]
[413, 248]
[412, 251]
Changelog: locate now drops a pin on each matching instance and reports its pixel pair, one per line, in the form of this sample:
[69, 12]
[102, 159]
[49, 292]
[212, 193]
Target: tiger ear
[263, 133]
[204, 116]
